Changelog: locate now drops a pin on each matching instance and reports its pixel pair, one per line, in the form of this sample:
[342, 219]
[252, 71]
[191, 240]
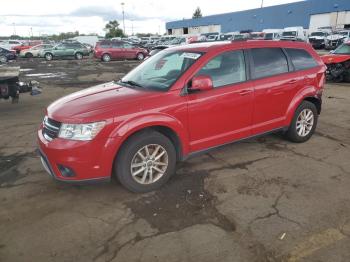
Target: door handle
[245, 92]
[293, 81]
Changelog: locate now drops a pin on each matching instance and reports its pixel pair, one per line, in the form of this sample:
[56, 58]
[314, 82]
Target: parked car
[7, 55]
[34, 51]
[10, 44]
[338, 64]
[296, 33]
[109, 50]
[318, 39]
[26, 45]
[65, 50]
[184, 100]
[272, 34]
[337, 39]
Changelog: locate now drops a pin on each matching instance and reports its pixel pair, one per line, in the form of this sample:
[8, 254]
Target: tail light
[4, 91]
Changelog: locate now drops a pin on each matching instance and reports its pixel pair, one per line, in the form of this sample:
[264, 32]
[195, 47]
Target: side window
[301, 59]
[225, 69]
[117, 45]
[268, 62]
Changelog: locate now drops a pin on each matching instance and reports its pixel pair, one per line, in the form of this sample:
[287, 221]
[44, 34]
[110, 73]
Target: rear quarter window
[268, 62]
[301, 59]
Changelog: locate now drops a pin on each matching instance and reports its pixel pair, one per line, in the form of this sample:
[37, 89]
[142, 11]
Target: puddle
[181, 203]
[47, 75]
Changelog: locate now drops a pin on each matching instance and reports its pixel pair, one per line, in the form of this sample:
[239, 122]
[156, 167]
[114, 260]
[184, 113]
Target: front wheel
[3, 59]
[78, 56]
[106, 58]
[304, 123]
[145, 162]
[140, 56]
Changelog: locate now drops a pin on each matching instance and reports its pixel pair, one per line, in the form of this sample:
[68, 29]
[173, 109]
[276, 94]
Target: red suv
[109, 50]
[179, 102]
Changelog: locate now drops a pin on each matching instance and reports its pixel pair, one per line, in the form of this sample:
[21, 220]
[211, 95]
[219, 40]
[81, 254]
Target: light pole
[262, 3]
[123, 17]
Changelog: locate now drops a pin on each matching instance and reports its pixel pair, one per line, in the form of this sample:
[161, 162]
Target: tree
[197, 13]
[112, 29]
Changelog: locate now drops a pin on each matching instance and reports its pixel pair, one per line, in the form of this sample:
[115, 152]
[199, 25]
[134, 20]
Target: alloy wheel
[149, 164]
[305, 122]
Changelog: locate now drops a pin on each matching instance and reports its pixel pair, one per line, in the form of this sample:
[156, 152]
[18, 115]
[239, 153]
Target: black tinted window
[268, 62]
[117, 44]
[225, 69]
[301, 59]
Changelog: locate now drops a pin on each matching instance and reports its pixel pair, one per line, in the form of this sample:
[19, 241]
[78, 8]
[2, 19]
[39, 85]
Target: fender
[334, 59]
[309, 91]
[130, 126]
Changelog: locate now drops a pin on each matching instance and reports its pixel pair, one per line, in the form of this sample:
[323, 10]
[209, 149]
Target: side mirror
[202, 83]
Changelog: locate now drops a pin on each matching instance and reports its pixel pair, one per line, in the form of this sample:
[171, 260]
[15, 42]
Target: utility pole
[262, 3]
[123, 17]
[14, 28]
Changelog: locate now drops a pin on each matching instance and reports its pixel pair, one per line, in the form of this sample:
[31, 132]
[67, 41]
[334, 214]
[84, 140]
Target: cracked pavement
[264, 199]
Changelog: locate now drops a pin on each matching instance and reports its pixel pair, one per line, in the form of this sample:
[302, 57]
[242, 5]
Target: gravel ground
[260, 200]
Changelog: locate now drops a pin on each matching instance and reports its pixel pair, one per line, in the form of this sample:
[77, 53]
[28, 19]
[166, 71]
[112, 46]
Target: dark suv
[182, 101]
[65, 50]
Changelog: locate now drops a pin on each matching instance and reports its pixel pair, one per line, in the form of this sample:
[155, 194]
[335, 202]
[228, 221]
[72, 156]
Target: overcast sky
[90, 16]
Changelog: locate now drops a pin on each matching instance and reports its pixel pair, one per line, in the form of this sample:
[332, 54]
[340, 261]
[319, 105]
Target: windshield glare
[343, 49]
[161, 71]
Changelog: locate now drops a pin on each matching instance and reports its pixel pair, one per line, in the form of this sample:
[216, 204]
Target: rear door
[275, 84]
[117, 50]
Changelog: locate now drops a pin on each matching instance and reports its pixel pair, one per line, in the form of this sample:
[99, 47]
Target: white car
[297, 33]
[335, 40]
[10, 44]
[34, 51]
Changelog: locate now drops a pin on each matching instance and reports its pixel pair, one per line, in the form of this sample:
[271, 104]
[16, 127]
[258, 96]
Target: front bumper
[89, 160]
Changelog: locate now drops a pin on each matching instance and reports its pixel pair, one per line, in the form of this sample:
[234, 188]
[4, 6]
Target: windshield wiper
[130, 83]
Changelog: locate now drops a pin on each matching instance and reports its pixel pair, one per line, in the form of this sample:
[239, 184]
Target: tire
[3, 59]
[48, 56]
[141, 181]
[140, 56]
[28, 55]
[78, 56]
[106, 58]
[305, 111]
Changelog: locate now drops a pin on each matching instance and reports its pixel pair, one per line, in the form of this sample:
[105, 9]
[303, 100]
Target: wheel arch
[307, 94]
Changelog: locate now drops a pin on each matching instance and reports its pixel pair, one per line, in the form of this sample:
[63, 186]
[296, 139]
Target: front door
[223, 114]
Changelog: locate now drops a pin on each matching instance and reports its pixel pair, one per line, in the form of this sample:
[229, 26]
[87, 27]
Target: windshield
[269, 36]
[161, 71]
[343, 49]
[344, 33]
[318, 34]
[290, 33]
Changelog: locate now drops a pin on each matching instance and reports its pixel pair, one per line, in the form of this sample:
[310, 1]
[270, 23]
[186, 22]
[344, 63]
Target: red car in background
[26, 45]
[109, 50]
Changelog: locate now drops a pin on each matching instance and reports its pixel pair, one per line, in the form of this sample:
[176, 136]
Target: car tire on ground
[145, 162]
[78, 56]
[140, 56]
[28, 55]
[106, 58]
[3, 59]
[48, 56]
[304, 123]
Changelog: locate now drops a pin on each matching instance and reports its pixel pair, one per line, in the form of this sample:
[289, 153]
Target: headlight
[83, 132]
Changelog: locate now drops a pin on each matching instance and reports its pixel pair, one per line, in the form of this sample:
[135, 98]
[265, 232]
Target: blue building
[310, 14]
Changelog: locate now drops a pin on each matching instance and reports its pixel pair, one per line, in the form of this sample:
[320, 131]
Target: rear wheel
[145, 162]
[29, 55]
[106, 58]
[304, 123]
[48, 56]
[3, 59]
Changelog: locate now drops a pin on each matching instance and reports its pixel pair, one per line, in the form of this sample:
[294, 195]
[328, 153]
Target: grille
[51, 128]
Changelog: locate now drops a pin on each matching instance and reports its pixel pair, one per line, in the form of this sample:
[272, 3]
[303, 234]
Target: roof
[208, 46]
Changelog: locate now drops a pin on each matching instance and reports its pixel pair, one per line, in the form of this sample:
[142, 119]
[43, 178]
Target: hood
[335, 37]
[334, 58]
[317, 37]
[98, 103]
